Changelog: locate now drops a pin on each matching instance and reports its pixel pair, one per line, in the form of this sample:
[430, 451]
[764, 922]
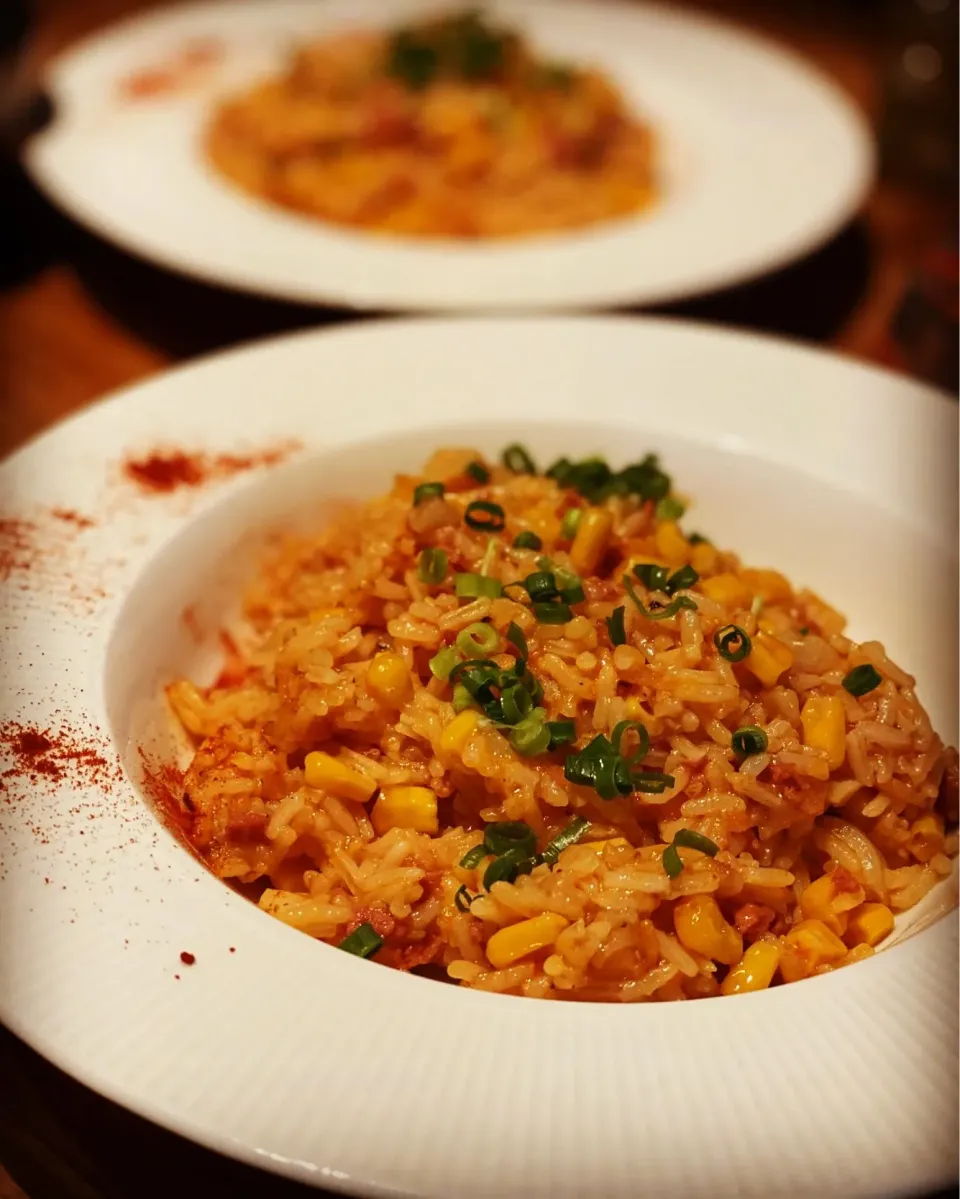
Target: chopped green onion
[571, 522]
[443, 662]
[560, 471]
[488, 556]
[516, 458]
[600, 766]
[542, 585]
[515, 637]
[516, 703]
[861, 680]
[732, 643]
[671, 609]
[463, 899]
[564, 839]
[477, 471]
[473, 857]
[469, 585]
[462, 698]
[552, 613]
[427, 491]
[477, 640]
[653, 577]
[478, 675]
[432, 567]
[643, 740]
[482, 514]
[615, 626]
[527, 541]
[509, 834]
[569, 586]
[652, 782]
[670, 508]
[805, 631]
[681, 579]
[687, 839]
[698, 539]
[531, 736]
[562, 732]
[506, 867]
[748, 741]
[363, 942]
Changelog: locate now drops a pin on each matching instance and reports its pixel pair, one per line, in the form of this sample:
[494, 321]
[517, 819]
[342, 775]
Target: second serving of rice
[758, 799]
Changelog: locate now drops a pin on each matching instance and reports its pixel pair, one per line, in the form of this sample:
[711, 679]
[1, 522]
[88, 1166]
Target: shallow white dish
[284, 1053]
[763, 159]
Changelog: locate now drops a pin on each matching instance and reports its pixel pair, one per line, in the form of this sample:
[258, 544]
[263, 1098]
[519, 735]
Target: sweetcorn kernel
[590, 540]
[830, 897]
[869, 924]
[754, 971]
[726, 589]
[455, 736]
[825, 727]
[636, 711]
[389, 679]
[704, 558]
[405, 807]
[327, 774]
[701, 927]
[671, 543]
[768, 659]
[808, 946]
[516, 941]
[770, 585]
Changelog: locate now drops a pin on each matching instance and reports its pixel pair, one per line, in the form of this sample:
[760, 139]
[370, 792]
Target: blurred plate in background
[762, 160]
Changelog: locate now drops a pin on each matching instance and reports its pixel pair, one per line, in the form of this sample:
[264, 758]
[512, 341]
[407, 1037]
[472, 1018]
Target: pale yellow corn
[455, 736]
[405, 807]
[327, 774]
[389, 679]
[636, 711]
[807, 946]
[770, 585]
[825, 727]
[671, 543]
[727, 589]
[701, 926]
[704, 558]
[926, 837]
[768, 659]
[590, 540]
[516, 941]
[830, 897]
[869, 924]
[754, 971]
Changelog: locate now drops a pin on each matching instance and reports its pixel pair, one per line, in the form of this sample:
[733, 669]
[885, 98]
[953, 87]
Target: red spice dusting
[177, 977]
[163, 783]
[168, 470]
[176, 72]
[70, 517]
[233, 949]
[187, 958]
[18, 549]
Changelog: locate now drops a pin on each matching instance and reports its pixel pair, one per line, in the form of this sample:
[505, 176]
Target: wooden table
[86, 319]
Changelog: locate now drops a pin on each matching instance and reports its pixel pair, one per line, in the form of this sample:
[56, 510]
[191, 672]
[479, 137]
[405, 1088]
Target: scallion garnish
[569, 586]
[432, 567]
[527, 541]
[671, 609]
[506, 868]
[462, 699]
[363, 942]
[862, 679]
[670, 508]
[463, 899]
[516, 638]
[473, 857]
[681, 579]
[732, 643]
[686, 838]
[516, 458]
[469, 585]
[541, 585]
[621, 729]
[615, 626]
[443, 662]
[562, 732]
[564, 839]
[531, 736]
[516, 704]
[552, 612]
[698, 539]
[482, 514]
[571, 522]
[427, 491]
[652, 576]
[477, 471]
[748, 740]
[477, 640]
[652, 782]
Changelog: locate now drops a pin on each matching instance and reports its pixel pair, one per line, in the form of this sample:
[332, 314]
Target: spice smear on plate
[530, 732]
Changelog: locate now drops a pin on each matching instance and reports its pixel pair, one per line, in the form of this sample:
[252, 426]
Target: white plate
[314, 1064]
[763, 160]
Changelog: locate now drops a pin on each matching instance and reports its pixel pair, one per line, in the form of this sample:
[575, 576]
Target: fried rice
[522, 732]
